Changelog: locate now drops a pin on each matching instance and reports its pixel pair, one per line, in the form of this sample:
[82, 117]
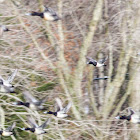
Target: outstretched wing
[45, 123]
[32, 122]
[50, 10]
[43, 100]
[66, 109]
[2, 80]
[10, 128]
[29, 98]
[59, 103]
[103, 60]
[90, 60]
[131, 111]
[11, 78]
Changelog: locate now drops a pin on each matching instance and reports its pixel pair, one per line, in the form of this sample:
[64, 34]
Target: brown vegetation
[51, 59]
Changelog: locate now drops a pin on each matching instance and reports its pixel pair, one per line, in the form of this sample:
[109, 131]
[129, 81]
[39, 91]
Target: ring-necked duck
[5, 85]
[3, 28]
[31, 102]
[8, 131]
[95, 63]
[35, 128]
[48, 14]
[61, 112]
[132, 117]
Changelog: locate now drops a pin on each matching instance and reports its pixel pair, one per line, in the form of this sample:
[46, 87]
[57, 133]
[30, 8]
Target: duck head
[124, 117]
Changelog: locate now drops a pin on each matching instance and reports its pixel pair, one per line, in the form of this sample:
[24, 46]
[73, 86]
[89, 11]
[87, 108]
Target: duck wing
[11, 78]
[66, 109]
[2, 80]
[32, 122]
[59, 103]
[10, 128]
[29, 98]
[103, 60]
[131, 111]
[45, 123]
[56, 108]
[42, 101]
[50, 10]
[91, 60]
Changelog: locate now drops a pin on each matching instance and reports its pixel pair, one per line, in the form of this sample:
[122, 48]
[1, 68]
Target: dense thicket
[51, 59]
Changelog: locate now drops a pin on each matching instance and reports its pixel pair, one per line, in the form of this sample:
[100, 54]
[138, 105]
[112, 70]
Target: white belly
[135, 118]
[6, 133]
[61, 115]
[32, 107]
[39, 131]
[99, 65]
[48, 16]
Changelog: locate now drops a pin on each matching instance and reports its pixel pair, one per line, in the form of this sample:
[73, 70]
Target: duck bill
[14, 103]
[28, 14]
[118, 117]
[45, 112]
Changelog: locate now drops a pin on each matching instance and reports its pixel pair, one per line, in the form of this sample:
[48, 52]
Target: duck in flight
[5, 85]
[35, 128]
[3, 28]
[132, 117]
[61, 112]
[99, 63]
[31, 102]
[101, 78]
[8, 131]
[48, 14]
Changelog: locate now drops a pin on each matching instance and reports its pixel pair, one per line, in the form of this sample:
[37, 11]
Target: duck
[61, 112]
[31, 102]
[5, 85]
[48, 14]
[95, 63]
[3, 28]
[132, 117]
[35, 128]
[101, 78]
[8, 131]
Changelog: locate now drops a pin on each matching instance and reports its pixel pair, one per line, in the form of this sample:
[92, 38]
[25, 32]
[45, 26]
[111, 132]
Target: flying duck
[101, 78]
[95, 63]
[61, 112]
[31, 102]
[132, 117]
[3, 29]
[8, 131]
[48, 14]
[35, 128]
[5, 85]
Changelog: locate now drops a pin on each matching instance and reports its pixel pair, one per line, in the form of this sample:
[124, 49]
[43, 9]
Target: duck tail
[57, 18]
[6, 30]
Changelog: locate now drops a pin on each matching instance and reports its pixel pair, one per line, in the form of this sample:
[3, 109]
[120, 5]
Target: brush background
[51, 58]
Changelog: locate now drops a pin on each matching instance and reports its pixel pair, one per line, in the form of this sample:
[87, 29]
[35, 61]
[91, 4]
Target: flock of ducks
[35, 104]
[32, 103]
